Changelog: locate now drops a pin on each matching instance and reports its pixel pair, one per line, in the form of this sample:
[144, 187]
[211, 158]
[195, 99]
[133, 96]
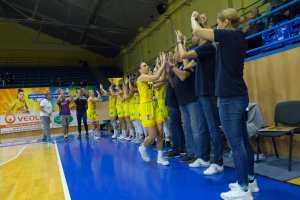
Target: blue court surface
[113, 169]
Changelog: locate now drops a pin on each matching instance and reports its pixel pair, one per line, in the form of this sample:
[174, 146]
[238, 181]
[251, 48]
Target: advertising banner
[20, 108]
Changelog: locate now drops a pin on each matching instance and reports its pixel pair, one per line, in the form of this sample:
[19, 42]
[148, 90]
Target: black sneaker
[87, 135]
[182, 153]
[168, 143]
[185, 158]
[79, 136]
[44, 140]
[153, 144]
[191, 159]
[173, 154]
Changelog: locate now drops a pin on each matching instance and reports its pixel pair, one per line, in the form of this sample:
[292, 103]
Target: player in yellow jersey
[135, 113]
[126, 106]
[120, 110]
[19, 105]
[149, 110]
[91, 113]
[112, 107]
[160, 88]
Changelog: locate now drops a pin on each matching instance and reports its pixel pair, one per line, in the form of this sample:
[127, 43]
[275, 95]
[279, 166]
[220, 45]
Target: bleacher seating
[41, 77]
[283, 33]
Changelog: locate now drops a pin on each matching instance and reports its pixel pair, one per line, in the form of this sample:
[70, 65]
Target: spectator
[293, 11]
[254, 28]
[276, 17]
[64, 113]
[45, 114]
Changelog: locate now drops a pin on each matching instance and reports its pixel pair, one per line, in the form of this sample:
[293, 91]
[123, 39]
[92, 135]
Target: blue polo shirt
[231, 52]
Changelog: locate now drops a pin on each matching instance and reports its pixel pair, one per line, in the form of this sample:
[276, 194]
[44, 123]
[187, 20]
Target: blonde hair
[230, 15]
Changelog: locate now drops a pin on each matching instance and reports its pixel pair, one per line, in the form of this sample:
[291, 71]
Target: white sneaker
[213, 169]
[138, 141]
[237, 194]
[162, 161]
[91, 132]
[199, 163]
[144, 154]
[96, 137]
[252, 186]
[114, 136]
[122, 136]
[129, 138]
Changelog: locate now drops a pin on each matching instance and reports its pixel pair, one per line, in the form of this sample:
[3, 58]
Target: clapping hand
[179, 36]
[195, 15]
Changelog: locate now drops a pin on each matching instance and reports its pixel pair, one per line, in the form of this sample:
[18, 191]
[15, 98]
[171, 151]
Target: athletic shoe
[122, 136]
[185, 158]
[50, 141]
[168, 144]
[97, 137]
[213, 169]
[129, 138]
[66, 139]
[138, 141]
[134, 139]
[173, 154]
[162, 161]
[44, 140]
[252, 186]
[192, 159]
[237, 194]
[182, 153]
[91, 132]
[199, 163]
[115, 135]
[87, 135]
[79, 136]
[144, 154]
[153, 144]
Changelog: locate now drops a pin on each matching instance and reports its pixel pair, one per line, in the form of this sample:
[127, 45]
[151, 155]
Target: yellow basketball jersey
[112, 101]
[145, 92]
[160, 92]
[20, 106]
[91, 105]
[119, 102]
[136, 98]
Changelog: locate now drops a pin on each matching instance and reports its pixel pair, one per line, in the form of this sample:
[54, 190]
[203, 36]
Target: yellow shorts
[149, 114]
[92, 115]
[113, 112]
[126, 110]
[163, 109]
[132, 112]
[120, 111]
[137, 113]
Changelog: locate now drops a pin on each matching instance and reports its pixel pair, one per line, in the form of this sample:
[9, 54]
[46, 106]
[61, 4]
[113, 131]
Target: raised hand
[203, 19]
[178, 36]
[195, 15]
[101, 87]
[184, 41]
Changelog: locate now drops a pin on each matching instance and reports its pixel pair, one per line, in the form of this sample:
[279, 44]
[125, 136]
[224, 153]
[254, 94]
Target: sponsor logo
[57, 121]
[10, 118]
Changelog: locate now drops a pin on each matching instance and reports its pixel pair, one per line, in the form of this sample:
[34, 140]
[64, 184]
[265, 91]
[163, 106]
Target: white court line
[15, 156]
[62, 175]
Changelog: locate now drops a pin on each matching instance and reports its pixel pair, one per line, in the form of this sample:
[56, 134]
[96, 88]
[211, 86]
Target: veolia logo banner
[20, 108]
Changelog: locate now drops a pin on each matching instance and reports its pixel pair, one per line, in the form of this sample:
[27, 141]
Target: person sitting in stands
[254, 28]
